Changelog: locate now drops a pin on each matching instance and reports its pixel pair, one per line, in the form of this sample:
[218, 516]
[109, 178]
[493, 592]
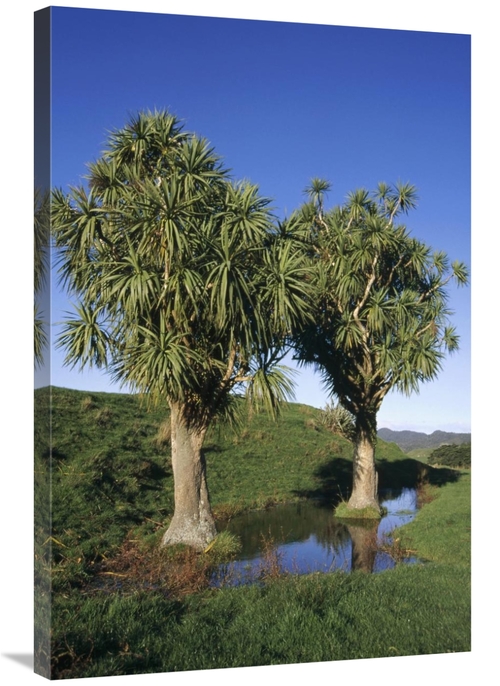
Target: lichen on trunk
[193, 523]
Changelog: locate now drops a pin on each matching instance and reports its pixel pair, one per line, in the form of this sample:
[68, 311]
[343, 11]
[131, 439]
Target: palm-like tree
[316, 194]
[186, 290]
[381, 319]
[41, 265]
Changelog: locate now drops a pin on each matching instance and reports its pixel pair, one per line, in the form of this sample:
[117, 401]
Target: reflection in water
[363, 545]
[305, 537]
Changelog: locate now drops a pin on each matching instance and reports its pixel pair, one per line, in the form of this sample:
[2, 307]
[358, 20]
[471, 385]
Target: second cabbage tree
[381, 319]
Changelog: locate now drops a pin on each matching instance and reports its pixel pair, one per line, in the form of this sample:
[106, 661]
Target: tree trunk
[192, 523]
[365, 479]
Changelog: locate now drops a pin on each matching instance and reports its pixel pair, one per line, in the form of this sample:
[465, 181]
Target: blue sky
[282, 102]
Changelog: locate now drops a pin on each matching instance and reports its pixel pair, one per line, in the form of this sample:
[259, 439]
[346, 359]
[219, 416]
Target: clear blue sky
[283, 102]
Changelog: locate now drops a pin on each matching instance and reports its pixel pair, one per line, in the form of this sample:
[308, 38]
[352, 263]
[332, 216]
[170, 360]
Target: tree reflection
[364, 545]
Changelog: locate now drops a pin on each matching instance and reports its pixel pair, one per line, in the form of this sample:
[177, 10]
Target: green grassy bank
[112, 493]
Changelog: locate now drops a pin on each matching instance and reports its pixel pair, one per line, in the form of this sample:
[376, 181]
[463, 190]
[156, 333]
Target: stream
[302, 538]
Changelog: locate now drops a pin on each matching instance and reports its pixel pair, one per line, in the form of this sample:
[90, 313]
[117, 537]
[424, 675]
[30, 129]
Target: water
[304, 538]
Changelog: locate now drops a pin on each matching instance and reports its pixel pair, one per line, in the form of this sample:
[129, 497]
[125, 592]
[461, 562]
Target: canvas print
[252, 343]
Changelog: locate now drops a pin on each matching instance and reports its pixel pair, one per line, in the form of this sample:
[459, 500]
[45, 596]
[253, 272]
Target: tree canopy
[184, 288]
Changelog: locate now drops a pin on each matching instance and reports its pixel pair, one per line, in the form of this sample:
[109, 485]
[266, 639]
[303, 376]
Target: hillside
[105, 463]
[415, 440]
[110, 460]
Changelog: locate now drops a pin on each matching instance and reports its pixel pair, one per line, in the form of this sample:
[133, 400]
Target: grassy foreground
[111, 488]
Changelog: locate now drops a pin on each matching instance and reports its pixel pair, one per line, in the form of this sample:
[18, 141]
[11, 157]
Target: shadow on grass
[334, 482]
[334, 478]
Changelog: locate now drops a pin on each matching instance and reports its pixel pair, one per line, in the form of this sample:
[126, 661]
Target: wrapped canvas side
[42, 396]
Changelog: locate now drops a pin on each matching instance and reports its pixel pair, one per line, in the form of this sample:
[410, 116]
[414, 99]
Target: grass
[408, 611]
[448, 513]
[123, 606]
[343, 511]
[421, 454]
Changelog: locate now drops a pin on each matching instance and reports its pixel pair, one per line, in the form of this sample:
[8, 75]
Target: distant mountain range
[414, 440]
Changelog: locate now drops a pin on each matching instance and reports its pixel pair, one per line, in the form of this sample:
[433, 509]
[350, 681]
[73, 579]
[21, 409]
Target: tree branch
[441, 284]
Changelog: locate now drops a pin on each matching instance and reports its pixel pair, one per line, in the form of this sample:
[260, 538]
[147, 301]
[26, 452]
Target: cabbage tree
[185, 290]
[381, 318]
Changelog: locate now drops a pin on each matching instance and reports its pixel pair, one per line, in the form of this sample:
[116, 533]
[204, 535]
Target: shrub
[458, 456]
[338, 420]
[223, 548]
